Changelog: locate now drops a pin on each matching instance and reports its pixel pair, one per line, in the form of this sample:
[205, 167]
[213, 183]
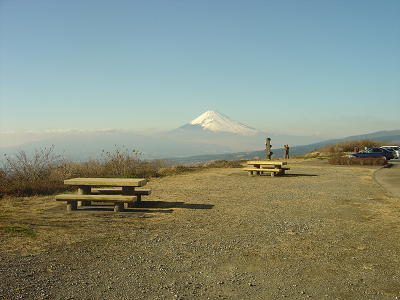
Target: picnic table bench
[258, 167]
[126, 195]
[138, 192]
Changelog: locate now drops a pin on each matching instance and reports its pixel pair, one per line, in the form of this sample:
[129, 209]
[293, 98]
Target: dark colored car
[374, 152]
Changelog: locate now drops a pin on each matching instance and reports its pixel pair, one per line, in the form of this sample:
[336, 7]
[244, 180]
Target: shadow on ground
[299, 175]
[140, 208]
[285, 175]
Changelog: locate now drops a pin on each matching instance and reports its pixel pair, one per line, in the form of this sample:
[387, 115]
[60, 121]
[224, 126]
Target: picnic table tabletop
[106, 181]
[266, 162]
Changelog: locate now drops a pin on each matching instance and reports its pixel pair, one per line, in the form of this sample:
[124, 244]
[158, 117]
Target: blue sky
[330, 68]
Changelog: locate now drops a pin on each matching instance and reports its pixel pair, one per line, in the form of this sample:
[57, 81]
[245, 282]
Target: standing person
[287, 150]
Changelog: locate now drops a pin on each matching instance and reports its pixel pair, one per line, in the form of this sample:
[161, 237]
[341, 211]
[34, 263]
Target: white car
[395, 149]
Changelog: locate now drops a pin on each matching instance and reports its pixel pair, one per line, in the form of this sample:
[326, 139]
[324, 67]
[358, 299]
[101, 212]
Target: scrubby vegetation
[340, 149]
[348, 146]
[44, 173]
[367, 161]
[337, 154]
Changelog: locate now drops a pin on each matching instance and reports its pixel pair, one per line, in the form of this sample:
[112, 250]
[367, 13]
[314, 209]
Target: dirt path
[321, 232]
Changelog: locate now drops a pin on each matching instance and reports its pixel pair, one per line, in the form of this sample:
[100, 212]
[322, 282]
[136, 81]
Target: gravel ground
[322, 232]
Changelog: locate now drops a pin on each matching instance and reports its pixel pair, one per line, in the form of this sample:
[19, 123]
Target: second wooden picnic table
[258, 167]
[86, 194]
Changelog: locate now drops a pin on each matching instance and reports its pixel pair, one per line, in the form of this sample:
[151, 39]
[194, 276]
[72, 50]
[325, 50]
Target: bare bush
[120, 163]
[21, 167]
[44, 172]
[25, 175]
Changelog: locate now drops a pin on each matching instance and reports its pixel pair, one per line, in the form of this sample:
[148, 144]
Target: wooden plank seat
[273, 171]
[138, 192]
[270, 167]
[119, 200]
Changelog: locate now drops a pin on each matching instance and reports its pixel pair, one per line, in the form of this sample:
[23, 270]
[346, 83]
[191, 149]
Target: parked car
[396, 149]
[374, 152]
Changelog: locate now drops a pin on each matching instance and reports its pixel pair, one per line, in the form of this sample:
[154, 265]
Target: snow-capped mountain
[215, 121]
[217, 129]
[214, 128]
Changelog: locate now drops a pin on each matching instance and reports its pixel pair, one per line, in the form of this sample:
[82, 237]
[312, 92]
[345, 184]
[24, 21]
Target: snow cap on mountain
[215, 121]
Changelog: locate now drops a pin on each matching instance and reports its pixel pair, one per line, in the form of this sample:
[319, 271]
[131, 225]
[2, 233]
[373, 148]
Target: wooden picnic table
[258, 167]
[85, 194]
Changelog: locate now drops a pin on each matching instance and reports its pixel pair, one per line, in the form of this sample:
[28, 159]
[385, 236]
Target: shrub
[340, 148]
[44, 172]
[148, 169]
[24, 176]
[120, 163]
[23, 168]
[29, 188]
[366, 161]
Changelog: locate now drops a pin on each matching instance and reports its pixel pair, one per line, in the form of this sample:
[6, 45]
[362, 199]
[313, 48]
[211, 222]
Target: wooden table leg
[84, 190]
[72, 205]
[129, 190]
[118, 206]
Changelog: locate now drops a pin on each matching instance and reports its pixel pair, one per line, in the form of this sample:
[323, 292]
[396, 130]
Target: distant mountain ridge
[384, 135]
[212, 134]
[391, 136]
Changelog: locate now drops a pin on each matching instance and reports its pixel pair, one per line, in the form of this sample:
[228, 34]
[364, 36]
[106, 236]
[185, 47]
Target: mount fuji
[215, 128]
[215, 121]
